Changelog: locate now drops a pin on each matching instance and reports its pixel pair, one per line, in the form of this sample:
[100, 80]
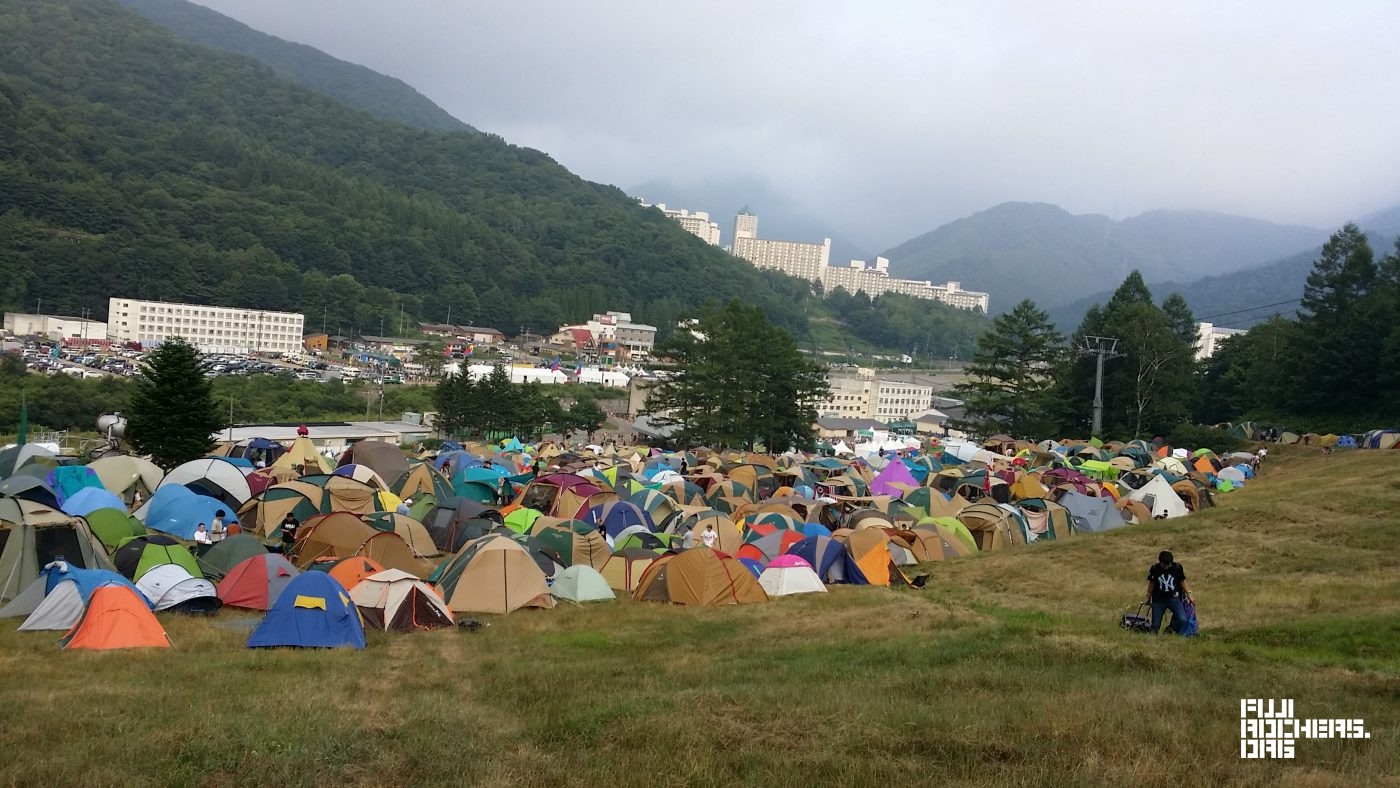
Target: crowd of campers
[394, 540]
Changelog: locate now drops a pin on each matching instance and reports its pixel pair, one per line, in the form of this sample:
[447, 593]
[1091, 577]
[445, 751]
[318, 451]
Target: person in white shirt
[201, 535]
[217, 532]
[709, 537]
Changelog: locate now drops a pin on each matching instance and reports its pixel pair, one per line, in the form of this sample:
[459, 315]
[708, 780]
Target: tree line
[1334, 368]
[494, 406]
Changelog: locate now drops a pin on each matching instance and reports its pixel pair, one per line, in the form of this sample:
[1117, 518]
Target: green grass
[1008, 669]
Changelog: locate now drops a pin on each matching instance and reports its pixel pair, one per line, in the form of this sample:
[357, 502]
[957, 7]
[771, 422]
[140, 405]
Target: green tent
[423, 505]
[139, 555]
[113, 526]
[1097, 469]
[582, 583]
[959, 530]
[228, 553]
[521, 519]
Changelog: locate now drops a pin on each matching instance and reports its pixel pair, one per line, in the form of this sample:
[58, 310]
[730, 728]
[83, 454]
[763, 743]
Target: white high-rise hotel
[212, 329]
[812, 261]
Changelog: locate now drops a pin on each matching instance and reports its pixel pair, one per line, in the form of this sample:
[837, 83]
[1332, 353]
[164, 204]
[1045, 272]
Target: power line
[1258, 318]
[1251, 309]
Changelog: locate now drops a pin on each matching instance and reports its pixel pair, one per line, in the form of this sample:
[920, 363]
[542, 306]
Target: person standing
[710, 536]
[216, 531]
[1166, 590]
[289, 534]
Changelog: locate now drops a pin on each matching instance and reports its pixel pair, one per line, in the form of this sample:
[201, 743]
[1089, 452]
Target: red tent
[256, 582]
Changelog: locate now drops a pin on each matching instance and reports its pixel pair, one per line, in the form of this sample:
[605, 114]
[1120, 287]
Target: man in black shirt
[289, 534]
[1166, 588]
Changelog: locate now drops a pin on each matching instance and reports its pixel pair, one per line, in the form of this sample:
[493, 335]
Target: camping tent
[176, 510]
[228, 553]
[1091, 515]
[123, 474]
[113, 526]
[625, 568]
[789, 574]
[213, 477]
[581, 583]
[699, 577]
[313, 611]
[256, 582]
[830, 559]
[1159, 498]
[493, 574]
[115, 617]
[173, 587]
[139, 555]
[32, 535]
[396, 600]
[56, 600]
[385, 459]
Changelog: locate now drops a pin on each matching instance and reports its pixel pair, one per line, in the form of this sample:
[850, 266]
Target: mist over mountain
[354, 85]
[779, 216]
[1242, 298]
[1041, 251]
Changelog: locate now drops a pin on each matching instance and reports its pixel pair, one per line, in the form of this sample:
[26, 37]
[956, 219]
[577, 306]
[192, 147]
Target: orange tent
[354, 569]
[870, 547]
[116, 617]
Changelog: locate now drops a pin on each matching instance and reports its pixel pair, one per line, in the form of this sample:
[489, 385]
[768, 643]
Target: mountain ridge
[1037, 250]
[380, 95]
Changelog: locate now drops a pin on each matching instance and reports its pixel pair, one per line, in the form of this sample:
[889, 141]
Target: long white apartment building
[874, 280]
[697, 224]
[898, 399]
[795, 258]
[212, 329]
[1209, 336]
[812, 261]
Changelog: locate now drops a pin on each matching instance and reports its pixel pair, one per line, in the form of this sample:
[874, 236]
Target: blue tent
[90, 499]
[617, 516]
[176, 510]
[830, 559]
[67, 480]
[87, 580]
[1346, 442]
[752, 565]
[815, 529]
[313, 611]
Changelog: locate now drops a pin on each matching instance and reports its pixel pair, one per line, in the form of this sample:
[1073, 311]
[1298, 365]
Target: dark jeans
[1178, 614]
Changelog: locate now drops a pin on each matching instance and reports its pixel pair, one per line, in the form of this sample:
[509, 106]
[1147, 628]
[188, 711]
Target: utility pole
[1104, 348]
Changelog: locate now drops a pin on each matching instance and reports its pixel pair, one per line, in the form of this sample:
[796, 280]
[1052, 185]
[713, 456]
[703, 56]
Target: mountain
[351, 84]
[1043, 252]
[1234, 300]
[779, 217]
[135, 165]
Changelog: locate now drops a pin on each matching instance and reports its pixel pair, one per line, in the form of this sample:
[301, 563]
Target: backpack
[1189, 625]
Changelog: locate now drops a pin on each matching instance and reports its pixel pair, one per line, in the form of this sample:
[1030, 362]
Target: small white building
[1209, 336]
[56, 327]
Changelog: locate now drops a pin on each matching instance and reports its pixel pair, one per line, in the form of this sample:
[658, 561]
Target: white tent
[58, 611]
[1159, 496]
[395, 594]
[219, 477]
[169, 585]
[790, 575]
[582, 583]
[1232, 474]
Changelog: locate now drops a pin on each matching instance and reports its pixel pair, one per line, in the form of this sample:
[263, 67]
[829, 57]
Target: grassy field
[1008, 669]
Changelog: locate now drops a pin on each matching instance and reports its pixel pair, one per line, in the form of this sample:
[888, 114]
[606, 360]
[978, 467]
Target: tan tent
[938, 543]
[348, 495]
[993, 527]
[699, 577]
[414, 533]
[32, 535]
[870, 547]
[304, 453]
[264, 512]
[123, 474]
[624, 570]
[575, 541]
[493, 574]
[343, 535]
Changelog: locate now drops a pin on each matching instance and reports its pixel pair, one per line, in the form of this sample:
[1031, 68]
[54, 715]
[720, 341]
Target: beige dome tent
[394, 599]
[699, 577]
[493, 574]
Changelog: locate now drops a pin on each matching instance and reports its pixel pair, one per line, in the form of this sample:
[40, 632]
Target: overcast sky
[890, 118]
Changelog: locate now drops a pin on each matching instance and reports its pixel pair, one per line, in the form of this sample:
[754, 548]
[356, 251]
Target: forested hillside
[348, 83]
[132, 164]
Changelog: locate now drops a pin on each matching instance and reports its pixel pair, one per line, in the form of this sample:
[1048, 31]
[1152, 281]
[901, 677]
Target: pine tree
[172, 417]
[1012, 373]
[738, 381]
[1340, 341]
